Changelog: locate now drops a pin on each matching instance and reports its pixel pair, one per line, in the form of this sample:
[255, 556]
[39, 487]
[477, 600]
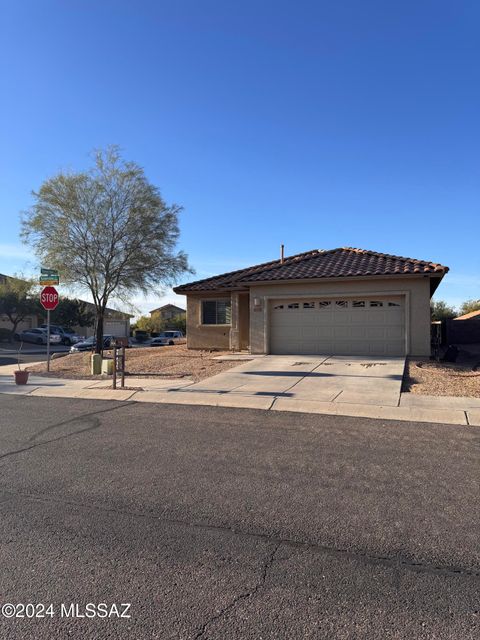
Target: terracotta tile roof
[468, 316]
[344, 262]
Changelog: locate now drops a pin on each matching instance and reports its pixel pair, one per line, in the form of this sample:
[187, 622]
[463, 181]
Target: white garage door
[345, 326]
[117, 328]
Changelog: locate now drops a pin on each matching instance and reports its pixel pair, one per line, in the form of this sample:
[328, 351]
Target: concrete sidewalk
[265, 395]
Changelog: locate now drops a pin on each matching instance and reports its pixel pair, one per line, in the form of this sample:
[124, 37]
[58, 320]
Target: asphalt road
[28, 353]
[227, 524]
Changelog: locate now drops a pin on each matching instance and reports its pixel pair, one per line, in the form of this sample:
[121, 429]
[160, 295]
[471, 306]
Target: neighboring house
[341, 301]
[115, 323]
[464, 329]
[29, 322]
[472, 315]
[168, 312]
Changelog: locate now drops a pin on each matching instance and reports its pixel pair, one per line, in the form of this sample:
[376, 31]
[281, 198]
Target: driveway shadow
[314, 374]
[232, 392]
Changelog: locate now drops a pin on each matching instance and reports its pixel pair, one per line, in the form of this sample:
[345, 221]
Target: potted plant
[21, 376]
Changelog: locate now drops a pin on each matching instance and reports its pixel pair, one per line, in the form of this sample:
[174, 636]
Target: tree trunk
[15, 324]
[99, 331]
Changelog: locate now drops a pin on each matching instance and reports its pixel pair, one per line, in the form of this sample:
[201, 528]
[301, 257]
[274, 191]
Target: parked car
[89, 344]
[67, 336]
[167, 338]
[141, 336]
[37, 336]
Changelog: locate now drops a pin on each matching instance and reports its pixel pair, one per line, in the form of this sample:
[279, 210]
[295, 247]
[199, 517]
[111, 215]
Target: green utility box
[107, 366]
[96, 364]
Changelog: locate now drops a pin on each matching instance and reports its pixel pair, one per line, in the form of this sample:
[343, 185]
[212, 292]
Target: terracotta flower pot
[21, 377]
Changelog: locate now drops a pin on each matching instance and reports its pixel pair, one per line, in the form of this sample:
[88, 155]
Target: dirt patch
[165, 362]
[426, 377]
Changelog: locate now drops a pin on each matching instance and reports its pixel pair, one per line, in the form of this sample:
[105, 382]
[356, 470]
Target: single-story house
[339, 301]
[116, 323]
[168, 312]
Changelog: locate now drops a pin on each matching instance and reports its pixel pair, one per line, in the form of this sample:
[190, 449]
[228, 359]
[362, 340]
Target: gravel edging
[440, 379]
[157, 362]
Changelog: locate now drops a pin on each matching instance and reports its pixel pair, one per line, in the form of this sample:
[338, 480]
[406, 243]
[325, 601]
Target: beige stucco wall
[201, 336]
[30, 322]
[244, 320]
[417, 305]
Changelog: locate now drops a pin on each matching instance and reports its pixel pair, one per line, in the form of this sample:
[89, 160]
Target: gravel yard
[168, 362]
[427, 377]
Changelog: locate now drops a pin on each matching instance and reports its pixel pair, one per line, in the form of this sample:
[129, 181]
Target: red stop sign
[49, 298]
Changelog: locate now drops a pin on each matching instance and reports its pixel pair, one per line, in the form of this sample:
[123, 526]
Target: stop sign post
[49, 301]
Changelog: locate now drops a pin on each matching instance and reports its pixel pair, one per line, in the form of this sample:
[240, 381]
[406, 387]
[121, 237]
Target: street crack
[394, 562]
[242, 596]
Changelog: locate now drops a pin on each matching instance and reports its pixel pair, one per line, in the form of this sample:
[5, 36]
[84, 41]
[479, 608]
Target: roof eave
[185, 292]
[254, 283]
[434, 277]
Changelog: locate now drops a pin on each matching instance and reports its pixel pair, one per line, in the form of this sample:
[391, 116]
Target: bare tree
[107, 230]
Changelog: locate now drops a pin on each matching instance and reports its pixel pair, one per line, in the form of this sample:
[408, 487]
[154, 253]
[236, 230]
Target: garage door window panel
[216, 312]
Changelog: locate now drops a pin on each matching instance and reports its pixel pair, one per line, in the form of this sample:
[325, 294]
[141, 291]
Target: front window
[216, 312]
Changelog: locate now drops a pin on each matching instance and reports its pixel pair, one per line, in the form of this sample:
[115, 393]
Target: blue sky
[316, 124]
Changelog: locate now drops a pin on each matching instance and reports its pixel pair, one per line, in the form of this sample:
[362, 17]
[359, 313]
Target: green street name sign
[49, 280]
[49, 272]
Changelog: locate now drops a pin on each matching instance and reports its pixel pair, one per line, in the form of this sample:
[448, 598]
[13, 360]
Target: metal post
[123, 366]
[48, 340]
[114, 381]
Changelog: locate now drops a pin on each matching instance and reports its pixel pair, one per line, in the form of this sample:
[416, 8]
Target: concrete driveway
[339, 379]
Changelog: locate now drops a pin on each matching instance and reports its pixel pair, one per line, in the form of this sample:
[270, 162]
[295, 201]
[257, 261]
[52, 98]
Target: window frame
[216, 323]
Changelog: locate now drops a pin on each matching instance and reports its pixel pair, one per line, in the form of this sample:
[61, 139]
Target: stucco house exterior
[340, 301]
[168, 312]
